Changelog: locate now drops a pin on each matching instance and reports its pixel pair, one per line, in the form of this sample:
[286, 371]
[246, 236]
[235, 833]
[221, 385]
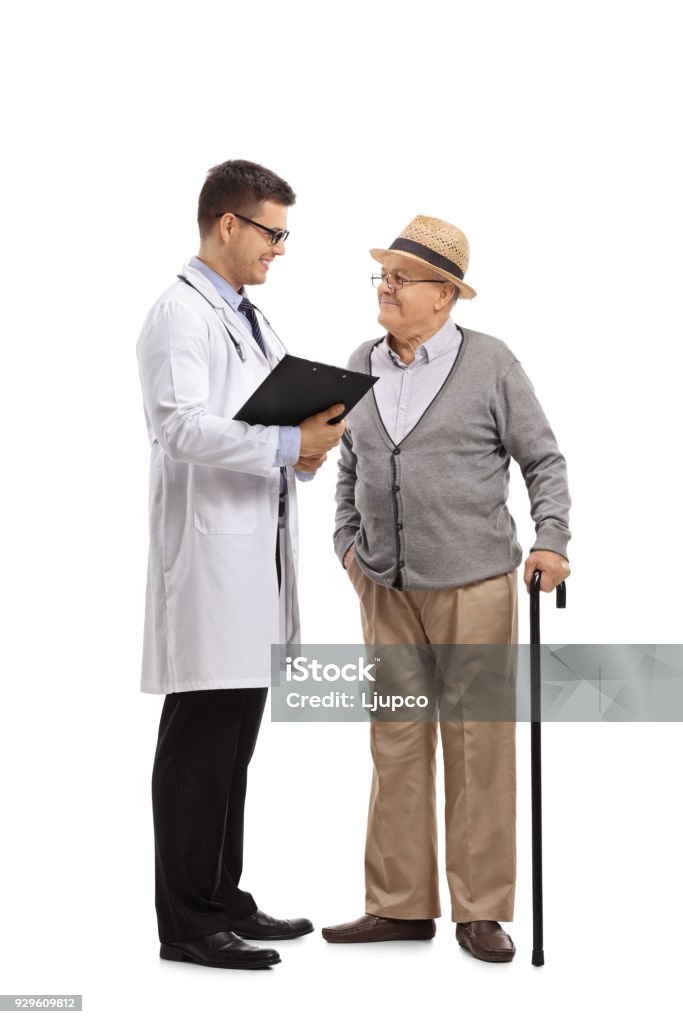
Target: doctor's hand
[310, 464]
[317, 435]
[554, 568]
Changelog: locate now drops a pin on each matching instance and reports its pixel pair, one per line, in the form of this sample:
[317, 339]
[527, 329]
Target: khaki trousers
[401, 866]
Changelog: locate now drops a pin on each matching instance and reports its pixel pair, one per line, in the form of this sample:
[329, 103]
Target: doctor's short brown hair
[238, 186]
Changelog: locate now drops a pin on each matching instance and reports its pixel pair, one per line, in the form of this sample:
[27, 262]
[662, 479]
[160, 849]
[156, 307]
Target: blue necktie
[247, 308]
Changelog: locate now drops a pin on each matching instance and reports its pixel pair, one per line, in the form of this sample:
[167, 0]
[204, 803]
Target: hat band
[435, 258]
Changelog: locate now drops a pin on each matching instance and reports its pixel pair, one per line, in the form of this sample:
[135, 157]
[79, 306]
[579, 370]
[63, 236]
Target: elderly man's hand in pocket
[348, 556]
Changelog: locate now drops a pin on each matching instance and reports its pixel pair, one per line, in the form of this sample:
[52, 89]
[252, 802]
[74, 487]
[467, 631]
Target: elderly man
[423, 529]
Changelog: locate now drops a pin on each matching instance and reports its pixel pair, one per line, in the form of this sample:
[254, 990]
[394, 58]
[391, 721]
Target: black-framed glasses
[277, 235]
[394, 284]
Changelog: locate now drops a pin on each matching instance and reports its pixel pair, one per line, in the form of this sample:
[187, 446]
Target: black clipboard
[299, 388]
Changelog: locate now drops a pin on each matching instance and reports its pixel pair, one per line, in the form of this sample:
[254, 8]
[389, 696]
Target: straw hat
[436, 244]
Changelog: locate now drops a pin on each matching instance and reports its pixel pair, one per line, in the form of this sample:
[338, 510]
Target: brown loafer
[370, 928]
[486, 940]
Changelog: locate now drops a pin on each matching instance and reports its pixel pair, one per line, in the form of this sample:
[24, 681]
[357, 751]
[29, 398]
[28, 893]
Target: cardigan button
[397, 451]
[401, 564]
[395, 488]
[399, 526]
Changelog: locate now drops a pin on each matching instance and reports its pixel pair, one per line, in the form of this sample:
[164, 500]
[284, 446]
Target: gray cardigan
[430, 512]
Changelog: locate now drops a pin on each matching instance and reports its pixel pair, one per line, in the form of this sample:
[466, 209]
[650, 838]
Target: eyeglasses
[394, 284]
[277, 235]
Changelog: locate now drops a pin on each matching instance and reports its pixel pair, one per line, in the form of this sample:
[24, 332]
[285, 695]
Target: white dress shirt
[405, 390]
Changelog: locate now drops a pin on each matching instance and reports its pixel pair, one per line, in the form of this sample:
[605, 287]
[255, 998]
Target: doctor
[221, 580]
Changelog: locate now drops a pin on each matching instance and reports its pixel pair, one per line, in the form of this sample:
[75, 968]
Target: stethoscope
[236, 342]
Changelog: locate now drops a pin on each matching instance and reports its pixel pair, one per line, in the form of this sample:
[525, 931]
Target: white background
[550, 133]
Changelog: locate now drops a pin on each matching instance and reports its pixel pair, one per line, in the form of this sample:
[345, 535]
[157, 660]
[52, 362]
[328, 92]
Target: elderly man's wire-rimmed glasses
[394, 284]
[277, 235]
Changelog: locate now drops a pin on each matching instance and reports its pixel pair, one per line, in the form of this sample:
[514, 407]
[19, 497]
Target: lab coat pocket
[225, 502]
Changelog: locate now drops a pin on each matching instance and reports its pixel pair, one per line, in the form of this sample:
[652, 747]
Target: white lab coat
[212, 606]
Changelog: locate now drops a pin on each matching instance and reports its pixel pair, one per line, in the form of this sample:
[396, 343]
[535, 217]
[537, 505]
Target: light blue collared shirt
[405, 390]
[289, 440]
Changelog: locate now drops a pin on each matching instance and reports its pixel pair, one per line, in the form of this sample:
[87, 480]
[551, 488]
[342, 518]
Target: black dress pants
[199, 784]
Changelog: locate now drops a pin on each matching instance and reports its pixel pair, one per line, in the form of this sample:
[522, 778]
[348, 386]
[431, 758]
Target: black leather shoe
[263, 926]
[222, 949]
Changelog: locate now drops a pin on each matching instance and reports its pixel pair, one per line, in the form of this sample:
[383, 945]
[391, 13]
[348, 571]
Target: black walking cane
[537, 957]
